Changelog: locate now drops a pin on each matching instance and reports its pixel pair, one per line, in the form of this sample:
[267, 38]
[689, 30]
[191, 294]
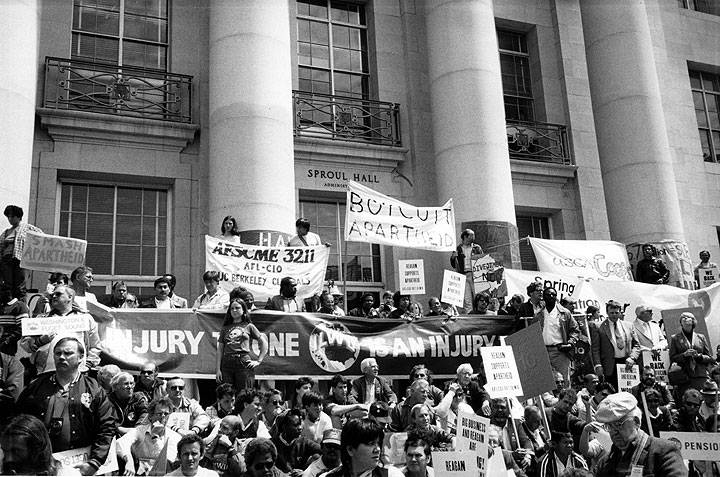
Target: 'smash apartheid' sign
[376, 218]
[52, 253]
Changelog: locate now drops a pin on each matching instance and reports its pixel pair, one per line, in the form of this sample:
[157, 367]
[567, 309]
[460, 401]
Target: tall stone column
[472, 162]
[18, 85]
[635, 157]
[251, 164]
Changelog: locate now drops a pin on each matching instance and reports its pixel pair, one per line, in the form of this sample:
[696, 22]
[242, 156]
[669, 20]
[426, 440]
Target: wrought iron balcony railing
[346, 119]
[542, 142]
[125, 91]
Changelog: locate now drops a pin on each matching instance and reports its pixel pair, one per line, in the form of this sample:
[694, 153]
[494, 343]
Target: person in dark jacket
[371, 387]
[632, 447]
[651, 269]
[73, 406]
[131, 407]
[294, 452]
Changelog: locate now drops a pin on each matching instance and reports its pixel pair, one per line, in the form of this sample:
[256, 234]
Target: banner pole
[514, 426]
[587, 329]
[544, 414]
[647, 414]
[716, 411]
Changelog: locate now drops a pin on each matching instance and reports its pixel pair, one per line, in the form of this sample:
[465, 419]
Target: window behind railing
[515, 72]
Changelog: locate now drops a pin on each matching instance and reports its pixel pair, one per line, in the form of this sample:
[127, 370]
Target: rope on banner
[509, 243]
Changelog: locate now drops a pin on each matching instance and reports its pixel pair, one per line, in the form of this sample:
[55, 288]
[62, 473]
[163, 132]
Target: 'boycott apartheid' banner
[602, 259]
[376, 218]
[184, 342]
[260, 269]
[52, 253]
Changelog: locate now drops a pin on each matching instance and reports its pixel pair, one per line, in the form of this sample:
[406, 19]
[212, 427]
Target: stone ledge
[108, 129]
[330, 151]
[532, 171]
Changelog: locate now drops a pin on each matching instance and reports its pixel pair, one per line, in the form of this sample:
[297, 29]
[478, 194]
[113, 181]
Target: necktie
[619, 337]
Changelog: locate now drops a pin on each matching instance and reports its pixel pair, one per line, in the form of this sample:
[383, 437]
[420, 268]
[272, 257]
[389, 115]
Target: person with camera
[72, 405]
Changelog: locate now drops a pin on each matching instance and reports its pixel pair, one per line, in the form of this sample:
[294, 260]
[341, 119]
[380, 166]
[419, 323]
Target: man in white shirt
[304, 237]
[648, 333]
[559, 330]
[316, 422]
[215, 298]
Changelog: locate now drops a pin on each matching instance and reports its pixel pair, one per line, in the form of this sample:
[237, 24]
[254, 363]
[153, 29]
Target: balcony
[78, 85]
[346, 119]
[539, 142]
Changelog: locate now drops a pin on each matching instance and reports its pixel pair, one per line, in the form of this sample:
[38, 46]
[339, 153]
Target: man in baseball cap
[330, 458]
[632, 447]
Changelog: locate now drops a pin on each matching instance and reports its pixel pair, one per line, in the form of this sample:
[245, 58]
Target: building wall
[571, 196]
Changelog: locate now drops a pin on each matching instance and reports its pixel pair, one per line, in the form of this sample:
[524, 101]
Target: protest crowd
[59, 394]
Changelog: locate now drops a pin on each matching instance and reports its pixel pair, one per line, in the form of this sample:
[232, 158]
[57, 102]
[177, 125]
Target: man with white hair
[370, 387]
[648, 333]
[632, 448]
[475, 394]
[401, 416]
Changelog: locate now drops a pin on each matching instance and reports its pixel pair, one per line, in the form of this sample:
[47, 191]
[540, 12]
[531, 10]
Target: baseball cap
[331, 436]
[380, 411]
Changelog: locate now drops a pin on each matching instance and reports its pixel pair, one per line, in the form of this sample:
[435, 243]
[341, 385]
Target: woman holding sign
[691, 351]
[234, 363]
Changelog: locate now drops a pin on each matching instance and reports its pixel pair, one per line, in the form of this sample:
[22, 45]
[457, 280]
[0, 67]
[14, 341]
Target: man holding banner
[12, 244]
[461, 261]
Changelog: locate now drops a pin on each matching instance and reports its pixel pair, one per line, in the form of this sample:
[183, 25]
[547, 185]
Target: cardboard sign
[503, 379]
[52, 253]
[373, 217]
[532, 361]
[55, 324]
[707, 276]
[180, 420]
[393, 451]
[480, 268]
[457, 464]
[627, 379]
[70, 458]
[453, 288]
[660, 362]
[696, 445]
[471, 431]
[412, 277]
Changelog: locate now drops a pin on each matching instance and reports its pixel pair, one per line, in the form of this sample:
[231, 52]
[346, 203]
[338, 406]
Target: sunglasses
[275, 402]
[147, 372]
[177, 388]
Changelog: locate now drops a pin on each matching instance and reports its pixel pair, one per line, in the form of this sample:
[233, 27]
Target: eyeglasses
[177, 388]
[692, 404]
[276, 401]
[617, 425]
[147, 372]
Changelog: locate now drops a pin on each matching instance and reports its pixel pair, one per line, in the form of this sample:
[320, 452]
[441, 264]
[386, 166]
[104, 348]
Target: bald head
[230, 426]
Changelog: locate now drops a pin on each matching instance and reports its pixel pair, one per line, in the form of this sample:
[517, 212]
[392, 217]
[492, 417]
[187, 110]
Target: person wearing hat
[691, 351]
[615, 344]
[632, 447]
[330, 454]
[380, 412]
[304, 237]
[560, 456]
[709, 394]
[687, 418]
[648, 333]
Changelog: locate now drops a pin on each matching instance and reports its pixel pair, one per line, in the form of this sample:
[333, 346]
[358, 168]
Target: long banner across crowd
[183, 342]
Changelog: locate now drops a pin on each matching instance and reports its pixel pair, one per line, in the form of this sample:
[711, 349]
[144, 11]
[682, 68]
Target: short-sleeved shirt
[236, 338]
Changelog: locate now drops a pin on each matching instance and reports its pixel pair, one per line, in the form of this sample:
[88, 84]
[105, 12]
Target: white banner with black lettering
[602, 259]
[260, 269]
[373, 217]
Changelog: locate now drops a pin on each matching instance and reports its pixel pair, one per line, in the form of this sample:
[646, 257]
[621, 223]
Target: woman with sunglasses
[235, 365]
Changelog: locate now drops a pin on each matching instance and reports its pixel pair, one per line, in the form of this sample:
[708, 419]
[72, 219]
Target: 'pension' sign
[52, 253]
[373, 217]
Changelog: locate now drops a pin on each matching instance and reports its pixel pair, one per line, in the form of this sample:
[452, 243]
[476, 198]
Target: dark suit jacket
[383, 392]
[659, 458]
[276, 303]
[568, 325]
[458, 263]
[678, 345]
[603, 350]
[526, 309]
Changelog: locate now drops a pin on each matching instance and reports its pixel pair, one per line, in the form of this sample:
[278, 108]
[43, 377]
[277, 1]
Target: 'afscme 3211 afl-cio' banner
[304, 344]
[260, 269]
[376, 218]
[601, 259]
